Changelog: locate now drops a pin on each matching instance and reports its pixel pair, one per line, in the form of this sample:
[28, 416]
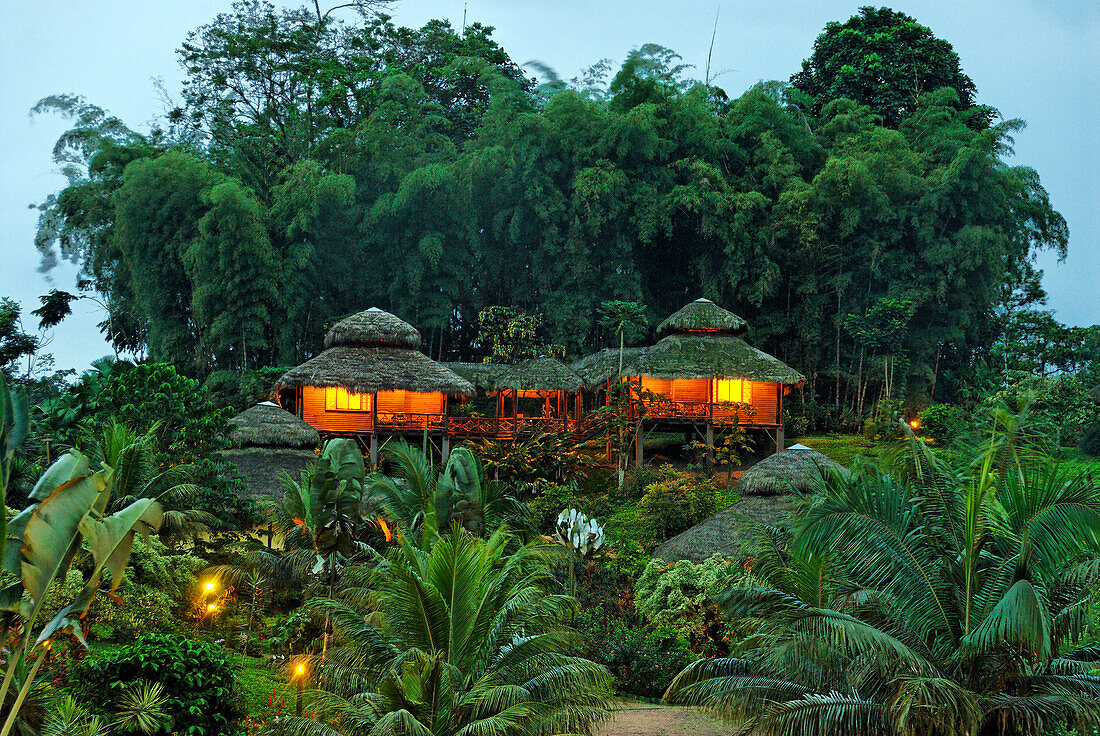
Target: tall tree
[883, 59]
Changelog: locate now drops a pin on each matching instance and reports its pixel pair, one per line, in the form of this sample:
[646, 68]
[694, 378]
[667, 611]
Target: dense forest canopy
[863, 217]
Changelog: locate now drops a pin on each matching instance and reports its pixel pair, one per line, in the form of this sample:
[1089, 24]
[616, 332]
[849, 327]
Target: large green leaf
[1019, 621]
[65, 468]
[110, 540]
[12, 561]
[52, 538]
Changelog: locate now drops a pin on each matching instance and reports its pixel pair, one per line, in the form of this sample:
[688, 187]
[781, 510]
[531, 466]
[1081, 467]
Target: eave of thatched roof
[539, 374]
[269, 425]
[703, 315]
[796, 469]
[367, 370]
[598, 367]
[262, 467]
[480, 375]
[724, 533]
[373, 327]
[710, 356]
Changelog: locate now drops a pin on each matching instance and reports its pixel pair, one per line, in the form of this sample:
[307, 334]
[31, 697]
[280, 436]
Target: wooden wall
[315, 415]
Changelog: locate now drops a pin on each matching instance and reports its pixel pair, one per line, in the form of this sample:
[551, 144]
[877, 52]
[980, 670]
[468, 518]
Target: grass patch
[846, 448]
[258, 682]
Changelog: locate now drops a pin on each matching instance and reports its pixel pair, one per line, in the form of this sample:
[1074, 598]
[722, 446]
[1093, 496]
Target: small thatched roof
[598, 367]
[269, 425]
[539, 374]
[703, 315]
[481, 375]
[260, 467]
[724, 533]
[796, 469]
[710, 356]
[366, 370]
[372, 328]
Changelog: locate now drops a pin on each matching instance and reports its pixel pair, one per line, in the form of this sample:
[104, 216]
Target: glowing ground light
[211, 607]
[300, 670]
[914, 423]
[210, 586]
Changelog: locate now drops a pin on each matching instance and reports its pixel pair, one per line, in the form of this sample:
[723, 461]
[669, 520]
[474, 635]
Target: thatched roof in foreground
[598, 367]
[367, 370]
[796, 469]
[269, 425]
[724, 533]
[261, 467]
[373, 327]
[481, 375]
[539, 374]
[703, 315]
[710, 356]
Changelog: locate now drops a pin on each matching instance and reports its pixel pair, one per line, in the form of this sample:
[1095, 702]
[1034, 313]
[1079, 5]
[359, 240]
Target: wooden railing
[405, 421]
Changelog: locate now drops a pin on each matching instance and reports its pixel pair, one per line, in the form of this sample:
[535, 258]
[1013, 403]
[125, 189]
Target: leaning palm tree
[943, 606]
[462, 638]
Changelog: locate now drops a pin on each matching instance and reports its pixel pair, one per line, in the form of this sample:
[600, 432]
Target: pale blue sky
[1036, 60]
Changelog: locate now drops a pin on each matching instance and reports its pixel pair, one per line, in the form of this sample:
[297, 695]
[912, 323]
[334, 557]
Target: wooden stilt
[373, 451]
[710, 444]
[639, 445]
[446, 447]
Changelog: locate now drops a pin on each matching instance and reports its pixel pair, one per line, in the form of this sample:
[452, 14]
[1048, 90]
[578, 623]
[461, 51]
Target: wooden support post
[373, 451]
[446, 447]
[710, 444]
[780, 439]
[639, 445]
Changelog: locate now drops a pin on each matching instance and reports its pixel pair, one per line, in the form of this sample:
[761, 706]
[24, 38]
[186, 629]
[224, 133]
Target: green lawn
[845, 448]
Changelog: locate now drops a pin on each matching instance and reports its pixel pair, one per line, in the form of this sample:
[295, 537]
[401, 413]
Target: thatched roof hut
[797, 469]
[539, 374]
[724, 533]
[481, 375]
[269, 441]
[269, 425]
[375, 351]
[703, 315]
[696, 356]
[598, 367]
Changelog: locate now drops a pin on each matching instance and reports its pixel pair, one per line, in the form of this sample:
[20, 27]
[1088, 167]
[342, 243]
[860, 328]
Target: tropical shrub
[242, 389]
[682, 597]
[943, 422]
[461, 637]
[1060, 406]
[197, 677]
[964, 588]
[643, 662]
[676, 502]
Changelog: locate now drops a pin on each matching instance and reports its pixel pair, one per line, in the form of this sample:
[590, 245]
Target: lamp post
[300, 676]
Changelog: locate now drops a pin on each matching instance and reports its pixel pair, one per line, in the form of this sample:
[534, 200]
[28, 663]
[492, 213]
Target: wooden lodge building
[372, 382]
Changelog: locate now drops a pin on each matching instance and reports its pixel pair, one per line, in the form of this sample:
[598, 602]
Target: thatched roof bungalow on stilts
[372, 381]
[703, 374]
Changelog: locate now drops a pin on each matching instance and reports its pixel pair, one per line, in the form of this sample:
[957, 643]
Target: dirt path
[642, 719]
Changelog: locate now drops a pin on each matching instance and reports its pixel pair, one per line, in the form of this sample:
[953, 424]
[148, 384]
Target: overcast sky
[1032, 59]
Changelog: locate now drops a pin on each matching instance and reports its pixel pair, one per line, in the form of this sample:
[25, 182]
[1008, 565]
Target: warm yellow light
[915, 424]
[211, 607]
[340, 399]
[300, 670]
[210, 586]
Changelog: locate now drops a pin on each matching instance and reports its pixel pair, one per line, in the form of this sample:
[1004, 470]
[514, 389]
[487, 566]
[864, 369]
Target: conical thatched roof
[703, 315]
[261, 468]
[724, 533]
[796, 469]
[598, 367]
[367, 370]
[373, 328]
[539, 374]
[481, 375]
[710, 356]
[268, 425]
